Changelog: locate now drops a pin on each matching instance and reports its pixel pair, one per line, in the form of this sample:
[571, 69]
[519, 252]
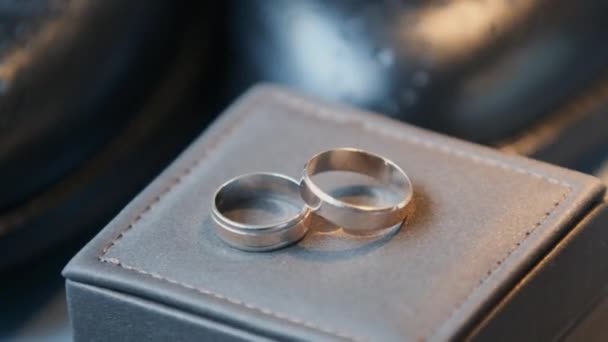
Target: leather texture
[552, 297]
[482, 220]
[592, 327]
[154, 322]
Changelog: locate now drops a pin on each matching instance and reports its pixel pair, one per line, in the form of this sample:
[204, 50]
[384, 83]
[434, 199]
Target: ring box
[495, 241]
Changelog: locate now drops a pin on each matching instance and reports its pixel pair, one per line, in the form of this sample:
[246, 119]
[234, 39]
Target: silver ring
[259, 237]
[352, 217]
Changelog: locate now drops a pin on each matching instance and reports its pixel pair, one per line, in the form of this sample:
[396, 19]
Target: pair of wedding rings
[309, 198]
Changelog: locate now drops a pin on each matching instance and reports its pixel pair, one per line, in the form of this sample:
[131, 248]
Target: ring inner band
[355, 217]
[259, 201]
[280, 214]
[386, 173]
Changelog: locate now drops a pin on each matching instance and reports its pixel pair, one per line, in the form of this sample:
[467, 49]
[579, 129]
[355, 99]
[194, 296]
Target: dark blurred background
[97, 97]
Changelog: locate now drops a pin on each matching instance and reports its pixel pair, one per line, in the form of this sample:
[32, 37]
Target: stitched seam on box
[323, 113]
[334, 116]
[264, 311]
[171, 184]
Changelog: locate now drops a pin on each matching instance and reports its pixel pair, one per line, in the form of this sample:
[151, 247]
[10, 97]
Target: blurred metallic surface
[99, 96]
[576, 136]
[93, 156]
[68, 76]
[33, 298]
[580, 107]
[481, 70]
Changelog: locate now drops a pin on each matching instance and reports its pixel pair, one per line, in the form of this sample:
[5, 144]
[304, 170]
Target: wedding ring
[258, 190]
[353, 217]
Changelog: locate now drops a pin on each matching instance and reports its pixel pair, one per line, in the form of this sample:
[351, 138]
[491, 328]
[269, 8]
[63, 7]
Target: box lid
[482, 219]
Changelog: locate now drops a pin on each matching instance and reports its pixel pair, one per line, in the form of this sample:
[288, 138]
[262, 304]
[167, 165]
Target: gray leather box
[486, 230]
